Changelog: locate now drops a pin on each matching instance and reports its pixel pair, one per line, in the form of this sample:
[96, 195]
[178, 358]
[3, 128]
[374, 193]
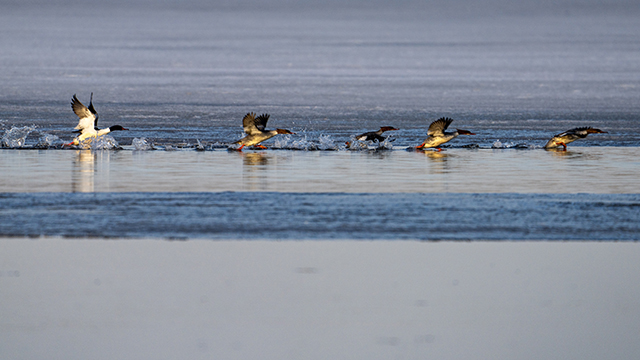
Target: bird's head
[464, 132]
[595, 131]
[284, 131]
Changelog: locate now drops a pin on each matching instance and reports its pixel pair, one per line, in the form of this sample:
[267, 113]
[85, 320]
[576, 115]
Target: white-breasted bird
[88, 121]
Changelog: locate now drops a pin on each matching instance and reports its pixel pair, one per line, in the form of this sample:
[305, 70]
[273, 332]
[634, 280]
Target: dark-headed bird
[572, 135]
[88, 121]
[375, 135]
[254, 127]
[437, 136]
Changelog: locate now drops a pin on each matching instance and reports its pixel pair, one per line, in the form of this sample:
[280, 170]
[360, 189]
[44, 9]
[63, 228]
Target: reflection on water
[573, 154]
[435, 155]
[438, 163]
[252, 159]
[83, 173]
[254, 176]
[590, 170]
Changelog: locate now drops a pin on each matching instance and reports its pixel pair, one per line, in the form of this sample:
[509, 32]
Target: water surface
[612, 170]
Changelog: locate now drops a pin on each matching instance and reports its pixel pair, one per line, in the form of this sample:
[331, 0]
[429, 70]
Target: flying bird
[572, 135]
[88, 121]
[437, 136]
[254, 127]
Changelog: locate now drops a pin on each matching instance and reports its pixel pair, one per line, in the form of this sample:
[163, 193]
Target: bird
[254, 127]
[375, 135]
[88, 121]
[437, 135]
[568, 136]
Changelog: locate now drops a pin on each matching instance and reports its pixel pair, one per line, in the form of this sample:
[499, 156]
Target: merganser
[572, 135]
[88, 123]
[437, 135]
[375, 135]
[255, 129]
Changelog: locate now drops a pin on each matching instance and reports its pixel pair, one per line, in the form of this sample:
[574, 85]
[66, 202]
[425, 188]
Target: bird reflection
[380, 154]
[560, 153]
[251, 159]
[84, 169]
[438, 160]
[254, 176]
[436, 155]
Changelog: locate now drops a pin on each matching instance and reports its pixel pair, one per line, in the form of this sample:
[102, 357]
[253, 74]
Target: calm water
[182, 76]
[601, 170]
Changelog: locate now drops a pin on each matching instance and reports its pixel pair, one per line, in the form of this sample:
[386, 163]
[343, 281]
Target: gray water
[181, 75]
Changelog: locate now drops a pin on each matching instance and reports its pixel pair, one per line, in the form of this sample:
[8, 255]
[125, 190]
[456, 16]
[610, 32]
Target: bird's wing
[249, 124]
[365, 136]
[93, 111]
[581, 131]
[87, 119]
[438, 127]
[370, 136]
[261, 121]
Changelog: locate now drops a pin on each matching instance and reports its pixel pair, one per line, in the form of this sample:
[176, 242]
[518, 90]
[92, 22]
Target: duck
[254, 127]
[572, 135]
[437, 135]
[88, 122]
[375, 135]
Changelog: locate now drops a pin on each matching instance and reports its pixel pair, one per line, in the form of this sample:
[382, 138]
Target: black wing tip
[446, 119]
[91, 108]
[74, 101]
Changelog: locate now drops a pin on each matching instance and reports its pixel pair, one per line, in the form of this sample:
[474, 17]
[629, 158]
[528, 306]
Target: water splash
[142, 144]
[218, 145]
[386, 144]
[324, 143]
[358, 145]
[510, 145]
[105, 142]
[498, 145]
[47, 141]
[16, 136]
